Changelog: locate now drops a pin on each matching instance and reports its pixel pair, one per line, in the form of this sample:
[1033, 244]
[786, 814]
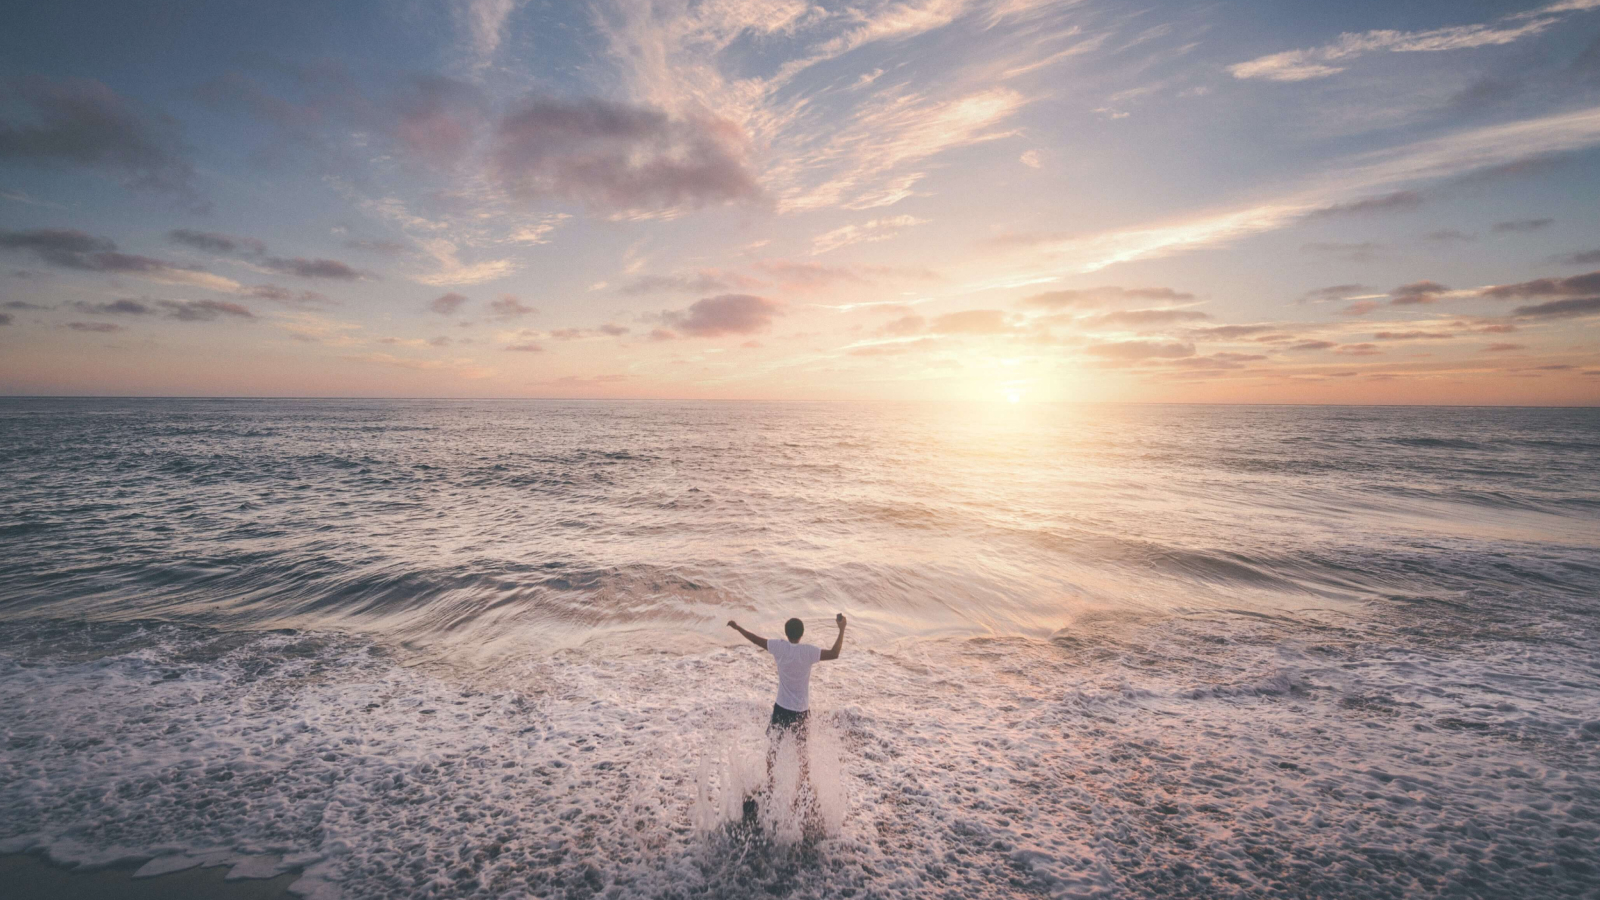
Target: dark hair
[794, 628]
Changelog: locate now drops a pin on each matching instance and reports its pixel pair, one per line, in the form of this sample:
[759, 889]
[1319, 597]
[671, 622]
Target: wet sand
[30, 878]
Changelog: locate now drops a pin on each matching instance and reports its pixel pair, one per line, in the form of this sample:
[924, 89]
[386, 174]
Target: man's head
[794, 628]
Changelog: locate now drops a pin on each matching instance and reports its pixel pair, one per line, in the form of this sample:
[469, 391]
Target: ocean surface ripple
[451, 648]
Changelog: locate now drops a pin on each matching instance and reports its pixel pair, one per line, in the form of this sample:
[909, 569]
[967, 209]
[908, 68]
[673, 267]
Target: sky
[1014, 201]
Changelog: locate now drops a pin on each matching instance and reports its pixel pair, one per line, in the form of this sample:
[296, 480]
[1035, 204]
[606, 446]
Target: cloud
[529, 347]
[1417, 292]
[1486, 93]
[904, 326]
[1314, 345]
[804, 276]
[1218, 361]
[255, 252]
[82, 122]
[1229, 332]
[436, 120]
[1412, 336]
[182, 310]
[1358, 349]
[1448, 236]
[1578, 285]
[1331, 59]
[725, 314]
[1503, 348]
[507, 307]
[427, 119]
[452, 271]
[485, 21]
[95, 327]
[123, 307]
[620, 158]
[60, 246]
[1522, 225]
[613, 329]
[212, 242]
[1143, 319]
[385, 248]
[1030, 158]
[1088, 298]
[447, 304]
[1560, 309]
[1464, 154]
[5, 319]
[868, 232]
[1333, 292]
[1140, 350]
[702, 281]
[311, 268]
[71, 249]
[284, 295]
[1584, 258]
[864, 160]
[807, 275]
[1365, 251]
[1359, 308]
[1392, 202]
[204, 310]
[893, 348]
[580, 380]
[971, 321]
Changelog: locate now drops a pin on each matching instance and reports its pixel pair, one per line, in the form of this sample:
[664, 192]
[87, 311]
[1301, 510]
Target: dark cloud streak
[616, 158]
[725, 314]
[81, 122]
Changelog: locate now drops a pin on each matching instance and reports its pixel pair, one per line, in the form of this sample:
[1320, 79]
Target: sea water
[451, 649]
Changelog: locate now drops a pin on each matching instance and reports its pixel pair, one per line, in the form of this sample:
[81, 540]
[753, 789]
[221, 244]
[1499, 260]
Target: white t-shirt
[794, 672]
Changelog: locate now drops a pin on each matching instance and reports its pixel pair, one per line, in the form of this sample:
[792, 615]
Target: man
[794, 671]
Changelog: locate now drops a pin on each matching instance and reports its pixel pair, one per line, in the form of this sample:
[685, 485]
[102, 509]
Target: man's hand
[838, 645]
[754, 639]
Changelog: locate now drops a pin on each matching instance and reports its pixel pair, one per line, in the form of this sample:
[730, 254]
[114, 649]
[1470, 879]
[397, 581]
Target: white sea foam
[1183, 757]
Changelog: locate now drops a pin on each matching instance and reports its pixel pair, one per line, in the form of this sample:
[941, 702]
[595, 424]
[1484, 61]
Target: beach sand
[28, 877]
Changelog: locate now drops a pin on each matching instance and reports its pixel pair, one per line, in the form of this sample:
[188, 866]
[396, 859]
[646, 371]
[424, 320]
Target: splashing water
[794, 786]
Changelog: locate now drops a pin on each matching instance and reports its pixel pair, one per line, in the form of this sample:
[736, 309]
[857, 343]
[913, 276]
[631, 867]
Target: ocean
[478, 649]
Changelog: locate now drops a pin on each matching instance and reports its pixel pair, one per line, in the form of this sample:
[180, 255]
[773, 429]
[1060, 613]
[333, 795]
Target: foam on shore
[1203, 756]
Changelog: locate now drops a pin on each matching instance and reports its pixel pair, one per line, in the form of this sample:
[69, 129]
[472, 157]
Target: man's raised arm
[838, 644]
[758, 641]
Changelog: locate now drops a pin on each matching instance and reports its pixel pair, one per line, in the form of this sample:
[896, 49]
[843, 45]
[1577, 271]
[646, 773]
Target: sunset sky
[1367, 202]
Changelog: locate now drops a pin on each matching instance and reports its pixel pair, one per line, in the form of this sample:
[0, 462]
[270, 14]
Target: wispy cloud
[1335, 57]
[1572, 286]
[485, 25]
[702, 281]
[1433, 159]
[868, 232]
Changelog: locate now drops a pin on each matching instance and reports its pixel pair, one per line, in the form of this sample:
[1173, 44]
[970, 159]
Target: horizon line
[8, 397]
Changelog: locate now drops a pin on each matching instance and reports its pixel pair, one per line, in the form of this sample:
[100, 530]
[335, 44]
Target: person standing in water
[794, 671]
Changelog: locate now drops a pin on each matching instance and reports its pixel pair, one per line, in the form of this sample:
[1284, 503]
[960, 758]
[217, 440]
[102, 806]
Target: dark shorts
[787, 718]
